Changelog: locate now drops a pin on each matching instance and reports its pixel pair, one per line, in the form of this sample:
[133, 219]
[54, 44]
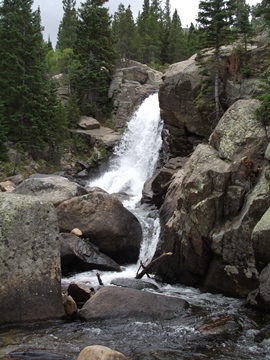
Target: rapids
[134, 161]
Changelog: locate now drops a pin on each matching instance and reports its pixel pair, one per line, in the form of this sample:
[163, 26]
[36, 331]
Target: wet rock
[30, 260]
[261, 241]
[98, 352]
[106, 222]
[263, 297]
[134, 284]
[78, 255]
[112, 302]
[224, 326]
[263, 334]
[70, 306]
[79, 292]
[50, 189]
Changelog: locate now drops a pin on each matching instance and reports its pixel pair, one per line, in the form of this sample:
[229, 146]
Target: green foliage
[215, 19]
[262, 113]
[26, 98]
[243, 23]
[177, 46]
[96, 58]
[67, 28]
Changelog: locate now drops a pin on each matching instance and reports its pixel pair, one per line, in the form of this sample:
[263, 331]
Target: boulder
[260, 297]
[79, 255]
[70, 306]
[98, 352]
[80, 293]
[237, 127]
[88, 123]
[7, 186]
[260, 238]
[107, 136]
[50, 189]
[30, 260]
[112, 302]
[222, 326]
[106, 222]
[130, 85]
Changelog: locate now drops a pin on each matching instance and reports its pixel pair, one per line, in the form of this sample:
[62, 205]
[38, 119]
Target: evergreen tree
[165, 33]
[262, 10]
[67, 28]
[124, 31]
[177, 49]
[95, 51]
[263, 111]
[23, 80]
[193, 44]
[243, 24]
[149, 29]
[215, 19]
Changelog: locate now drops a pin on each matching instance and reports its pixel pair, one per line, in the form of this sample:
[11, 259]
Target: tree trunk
[148, 267]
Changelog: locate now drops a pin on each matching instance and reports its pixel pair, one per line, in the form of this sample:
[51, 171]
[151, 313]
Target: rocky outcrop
[79, 255]
[105, 222]
[98, 352]
[188, 124]
[131, 84]
[30, 260]
[112, 302]
[50, 189]
[213, 204]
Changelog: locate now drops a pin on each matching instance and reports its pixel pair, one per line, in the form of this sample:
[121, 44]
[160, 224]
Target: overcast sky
[52, 12]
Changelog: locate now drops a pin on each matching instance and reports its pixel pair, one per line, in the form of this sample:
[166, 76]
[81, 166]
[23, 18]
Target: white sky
[52, 12]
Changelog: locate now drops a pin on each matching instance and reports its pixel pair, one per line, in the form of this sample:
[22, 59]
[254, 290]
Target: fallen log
[147, 268]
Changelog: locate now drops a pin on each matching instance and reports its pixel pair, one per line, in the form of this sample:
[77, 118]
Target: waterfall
[136, 157]
[135, 160]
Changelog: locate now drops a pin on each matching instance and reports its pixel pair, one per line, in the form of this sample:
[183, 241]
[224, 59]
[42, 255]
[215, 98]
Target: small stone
[76, 232]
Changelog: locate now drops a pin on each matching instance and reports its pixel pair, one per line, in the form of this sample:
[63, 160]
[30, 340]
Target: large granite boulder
[213, 204]
[131, 84]
[186, 122]
[50, 189]
[261, 241]
[112, 302]
[79, 255]
[104, 220]
[30, 260]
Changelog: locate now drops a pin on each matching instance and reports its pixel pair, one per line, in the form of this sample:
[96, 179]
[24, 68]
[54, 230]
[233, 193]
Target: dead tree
[147, 268]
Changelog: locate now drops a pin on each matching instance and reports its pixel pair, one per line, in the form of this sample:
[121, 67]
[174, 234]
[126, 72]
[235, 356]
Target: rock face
[185, 123]
[30, 260]
[213, 204]
[131, 84]
[106, 222]
[50, 189]
[112, 302]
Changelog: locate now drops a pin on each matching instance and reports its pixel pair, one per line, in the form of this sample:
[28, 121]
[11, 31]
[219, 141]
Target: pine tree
[165, 32]
[243, 24]
[177, 49]
[124, 31]
[215, 19]
[67, 28]
[263, 111]
[23, 79]
[95, 51]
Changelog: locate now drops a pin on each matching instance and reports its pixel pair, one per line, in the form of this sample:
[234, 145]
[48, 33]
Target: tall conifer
[67, 28]
[95, 51]
[23, 80]
[215, 19]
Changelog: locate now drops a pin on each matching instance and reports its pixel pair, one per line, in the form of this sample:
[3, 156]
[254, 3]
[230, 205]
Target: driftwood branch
[99, 279]
[147, 268]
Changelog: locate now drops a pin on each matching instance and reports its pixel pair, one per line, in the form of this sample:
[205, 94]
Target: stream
[246, 337]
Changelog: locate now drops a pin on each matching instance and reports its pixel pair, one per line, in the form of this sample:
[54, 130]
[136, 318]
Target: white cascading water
[135, 160]
[137, 154]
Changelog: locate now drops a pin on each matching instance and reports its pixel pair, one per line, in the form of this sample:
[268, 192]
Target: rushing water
[134, 162]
